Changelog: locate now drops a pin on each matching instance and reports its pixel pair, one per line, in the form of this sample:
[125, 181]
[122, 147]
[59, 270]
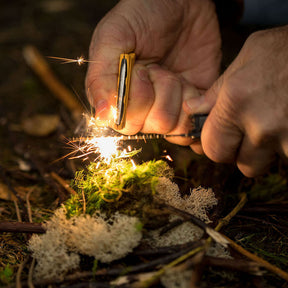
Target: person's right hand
[177, 46]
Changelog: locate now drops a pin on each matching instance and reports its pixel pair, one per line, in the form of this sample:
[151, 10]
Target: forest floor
[28, 160]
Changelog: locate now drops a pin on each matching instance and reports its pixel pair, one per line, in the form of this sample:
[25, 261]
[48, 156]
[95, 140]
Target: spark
[168, 157]
[79, 60]
[133, 163]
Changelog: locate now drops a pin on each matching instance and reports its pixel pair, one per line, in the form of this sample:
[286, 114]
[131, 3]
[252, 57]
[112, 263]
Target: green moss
[117, 186]
[6, 274]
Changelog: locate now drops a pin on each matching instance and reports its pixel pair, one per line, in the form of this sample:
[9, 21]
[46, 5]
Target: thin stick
[21, 227]
[28, 205]
[260, 261]
[30, 274]
[37, 62]
[215, 235]
[19, 272]
[177, 261]
[63, 183]
[17, 211]
[84, 201]
[224, 221]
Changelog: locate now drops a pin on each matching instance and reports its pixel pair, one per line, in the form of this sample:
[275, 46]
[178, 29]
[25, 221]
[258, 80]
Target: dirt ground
[63, 28]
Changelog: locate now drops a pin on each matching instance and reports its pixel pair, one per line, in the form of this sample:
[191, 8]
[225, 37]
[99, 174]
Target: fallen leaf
[40, 125]
[6, 193]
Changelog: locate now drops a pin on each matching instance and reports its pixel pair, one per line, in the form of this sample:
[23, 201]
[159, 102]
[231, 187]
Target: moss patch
[118, 186]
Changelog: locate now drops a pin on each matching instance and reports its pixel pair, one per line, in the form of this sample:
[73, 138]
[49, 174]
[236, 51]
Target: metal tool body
[198, 121]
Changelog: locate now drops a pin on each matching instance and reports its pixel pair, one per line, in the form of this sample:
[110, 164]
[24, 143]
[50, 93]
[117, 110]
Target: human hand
[248, 122]
[177, 46]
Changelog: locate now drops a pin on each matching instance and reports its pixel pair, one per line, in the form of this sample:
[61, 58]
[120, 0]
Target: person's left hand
[248, 122]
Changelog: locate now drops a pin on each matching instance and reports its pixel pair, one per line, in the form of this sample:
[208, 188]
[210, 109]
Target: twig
[84, 201]
[177, 261]
[234, 265]
[19, 272]
[224, 221]
[215, 235]
[168, 249]
[63, 183]
[260, 261]
[17, 211]
[39, 65]
[28, 204]
[47, 177]
[21, 227]
[30, 274]
[7, 181]
[170, 226]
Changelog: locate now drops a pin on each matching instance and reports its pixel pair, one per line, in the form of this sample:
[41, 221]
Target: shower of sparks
[98, 142]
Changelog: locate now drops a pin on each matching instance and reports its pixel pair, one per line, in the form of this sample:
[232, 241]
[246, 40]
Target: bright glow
[99, 142]
[106, 146]
[114, 113]
[168, 157]
[80, 60]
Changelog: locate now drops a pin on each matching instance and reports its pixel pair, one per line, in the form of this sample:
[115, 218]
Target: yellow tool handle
[123, 87]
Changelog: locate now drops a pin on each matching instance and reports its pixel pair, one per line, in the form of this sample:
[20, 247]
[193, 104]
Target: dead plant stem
[260, 261]
[63, 183]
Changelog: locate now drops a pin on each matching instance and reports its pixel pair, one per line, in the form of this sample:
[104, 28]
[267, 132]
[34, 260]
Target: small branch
[215, 235]
[28, 204]
[19, 272]
[224, 221]
[19, 218]
[260, 261]
[63, 183]
[30, 274]
[21, 227]
[234, 265]
[39, 65]
[177, 261]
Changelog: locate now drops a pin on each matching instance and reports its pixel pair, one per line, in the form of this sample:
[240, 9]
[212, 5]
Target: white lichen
[52, 255]
[57, 251]
[197, 203]
[176, 279]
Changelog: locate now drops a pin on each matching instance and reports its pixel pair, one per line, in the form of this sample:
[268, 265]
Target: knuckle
[161, 121]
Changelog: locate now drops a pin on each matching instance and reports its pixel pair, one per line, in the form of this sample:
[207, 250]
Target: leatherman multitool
[125, 70]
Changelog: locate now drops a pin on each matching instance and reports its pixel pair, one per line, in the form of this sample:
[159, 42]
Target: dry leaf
[6, 193]
[40, 125]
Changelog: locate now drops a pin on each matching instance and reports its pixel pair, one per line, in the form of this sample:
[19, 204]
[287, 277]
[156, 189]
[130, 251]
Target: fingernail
[100, 107]
[142, 73]
[197, 105]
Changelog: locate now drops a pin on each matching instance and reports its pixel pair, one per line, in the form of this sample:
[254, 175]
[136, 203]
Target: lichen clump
[59, 249]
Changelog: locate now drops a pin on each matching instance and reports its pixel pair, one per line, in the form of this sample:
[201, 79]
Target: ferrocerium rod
[156, 136]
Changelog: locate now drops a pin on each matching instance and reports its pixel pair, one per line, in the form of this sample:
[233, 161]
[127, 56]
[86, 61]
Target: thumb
[205, 102]
[221, 136]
